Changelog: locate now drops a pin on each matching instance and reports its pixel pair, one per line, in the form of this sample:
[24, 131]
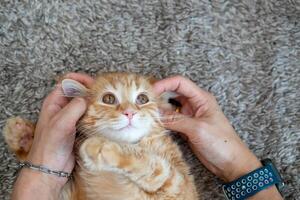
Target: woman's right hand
[210, 134]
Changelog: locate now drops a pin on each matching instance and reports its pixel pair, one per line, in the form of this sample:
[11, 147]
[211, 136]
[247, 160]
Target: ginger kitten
[122, 150]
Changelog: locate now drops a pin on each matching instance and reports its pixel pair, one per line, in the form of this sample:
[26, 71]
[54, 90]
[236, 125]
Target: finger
[180, 123]
[82, 78]
[178, 84]
[67, 118]
[196, 96]
[186, 109]
[53, 103]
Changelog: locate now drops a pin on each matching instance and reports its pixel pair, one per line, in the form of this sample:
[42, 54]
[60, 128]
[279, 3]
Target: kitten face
[123, 108]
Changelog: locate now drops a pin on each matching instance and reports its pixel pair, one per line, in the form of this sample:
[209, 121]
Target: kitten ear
[73, 88]
[167, 101]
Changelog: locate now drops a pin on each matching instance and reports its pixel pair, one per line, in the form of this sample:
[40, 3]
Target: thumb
[72, 112]
[180, 123]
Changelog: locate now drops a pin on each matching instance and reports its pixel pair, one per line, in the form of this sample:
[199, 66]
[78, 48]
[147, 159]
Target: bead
[266, 176]
[261, 172]
[270, 174]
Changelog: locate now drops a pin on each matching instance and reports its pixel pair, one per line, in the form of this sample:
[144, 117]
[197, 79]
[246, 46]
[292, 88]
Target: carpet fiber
[247, 53]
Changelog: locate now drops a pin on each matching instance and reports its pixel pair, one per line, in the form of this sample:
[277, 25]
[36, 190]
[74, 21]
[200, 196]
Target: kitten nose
[129, 113]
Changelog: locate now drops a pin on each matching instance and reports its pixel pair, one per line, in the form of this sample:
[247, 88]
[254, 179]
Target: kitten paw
[93, 147]
[100, 154]
[90, 151]
[18, 134]
[112, 155]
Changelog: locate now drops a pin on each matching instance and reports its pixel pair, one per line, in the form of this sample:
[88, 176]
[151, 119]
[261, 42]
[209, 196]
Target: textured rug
[247, 53]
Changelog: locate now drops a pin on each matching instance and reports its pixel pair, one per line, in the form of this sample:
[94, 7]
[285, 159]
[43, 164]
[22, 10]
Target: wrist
[44, 181]
[46, 157]
[240, 167]
[34, 185]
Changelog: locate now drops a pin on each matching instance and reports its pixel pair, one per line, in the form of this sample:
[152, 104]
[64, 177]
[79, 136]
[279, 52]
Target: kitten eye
[142, 99]
[109, 99]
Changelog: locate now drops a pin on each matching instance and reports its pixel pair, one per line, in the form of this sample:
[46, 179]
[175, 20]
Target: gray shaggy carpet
[246, 52]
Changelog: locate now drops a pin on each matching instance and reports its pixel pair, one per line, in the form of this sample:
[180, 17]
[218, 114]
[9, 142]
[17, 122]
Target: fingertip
[56, 97]
[168, 84]
[81, 77]
[81, 101]
[74, 110]
[77, 105]
[73, 75]
[157, 88]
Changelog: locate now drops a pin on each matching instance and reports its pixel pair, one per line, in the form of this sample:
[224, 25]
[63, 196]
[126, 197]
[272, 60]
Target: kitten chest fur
[108, 185]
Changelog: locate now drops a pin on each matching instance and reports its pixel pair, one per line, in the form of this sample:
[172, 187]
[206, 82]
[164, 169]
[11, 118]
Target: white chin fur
[129, 135]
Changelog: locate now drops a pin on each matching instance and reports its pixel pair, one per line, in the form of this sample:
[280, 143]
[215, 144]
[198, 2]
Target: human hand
[55, 130]
[209, 133]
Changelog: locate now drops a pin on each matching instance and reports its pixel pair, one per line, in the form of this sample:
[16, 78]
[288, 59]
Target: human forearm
[52, 145]
[232, 160]
[32, 185]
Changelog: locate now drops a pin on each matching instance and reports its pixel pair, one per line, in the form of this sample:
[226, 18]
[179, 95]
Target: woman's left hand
[54, 138]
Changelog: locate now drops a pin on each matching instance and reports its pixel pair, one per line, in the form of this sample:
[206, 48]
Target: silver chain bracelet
[45, 169]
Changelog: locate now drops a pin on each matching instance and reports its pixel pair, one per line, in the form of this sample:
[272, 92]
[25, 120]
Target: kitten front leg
[100, 154]
[89, 153]
[149, 171]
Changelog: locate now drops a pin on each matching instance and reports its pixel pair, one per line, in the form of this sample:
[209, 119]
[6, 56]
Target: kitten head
[122, 106]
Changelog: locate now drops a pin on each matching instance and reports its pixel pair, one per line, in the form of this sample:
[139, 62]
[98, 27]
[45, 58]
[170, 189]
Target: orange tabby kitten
[123, 151]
